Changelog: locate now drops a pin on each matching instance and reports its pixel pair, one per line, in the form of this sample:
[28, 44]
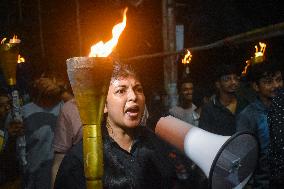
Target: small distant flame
[3, 40]
[258, 56]
[102, 49]
[261, 51]
[187, 57]
[15, 40]
[20, 59]
[244, 72]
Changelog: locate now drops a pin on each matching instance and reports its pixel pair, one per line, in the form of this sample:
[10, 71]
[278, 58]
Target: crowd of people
[134, 157]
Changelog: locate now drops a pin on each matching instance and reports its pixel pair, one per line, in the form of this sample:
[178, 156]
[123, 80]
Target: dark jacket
[146, 166]
[217, 119]
[254, 119]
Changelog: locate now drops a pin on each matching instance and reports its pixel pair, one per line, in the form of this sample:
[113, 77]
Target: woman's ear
[105, 108]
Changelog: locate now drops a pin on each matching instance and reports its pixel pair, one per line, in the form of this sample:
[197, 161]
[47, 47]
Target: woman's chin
[132, 123]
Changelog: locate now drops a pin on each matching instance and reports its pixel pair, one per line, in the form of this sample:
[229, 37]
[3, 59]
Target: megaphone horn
[227, 161]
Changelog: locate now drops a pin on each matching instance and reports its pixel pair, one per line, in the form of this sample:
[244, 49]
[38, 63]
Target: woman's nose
[132, 96]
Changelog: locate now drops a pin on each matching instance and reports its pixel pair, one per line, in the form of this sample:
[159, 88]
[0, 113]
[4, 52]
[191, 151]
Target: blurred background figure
[9, 131]
[157, 106]
[219, 115]
[185, 109]
[190, 176]
[40, 117]
[266, 80]
[201, 96]
[66, 91]
[67, 133]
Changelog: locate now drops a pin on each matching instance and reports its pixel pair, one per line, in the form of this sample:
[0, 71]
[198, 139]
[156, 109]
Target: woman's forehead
[125, 80]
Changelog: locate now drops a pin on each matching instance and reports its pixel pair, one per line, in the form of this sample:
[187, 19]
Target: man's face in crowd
[125, 102]
[228, 83]
[186, 91]
[4, 106]
[267, 86]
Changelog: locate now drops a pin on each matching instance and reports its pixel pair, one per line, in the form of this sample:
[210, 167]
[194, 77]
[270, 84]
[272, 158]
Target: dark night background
[205, 22]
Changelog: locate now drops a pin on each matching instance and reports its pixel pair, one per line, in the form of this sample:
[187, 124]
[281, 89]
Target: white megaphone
[227, 161]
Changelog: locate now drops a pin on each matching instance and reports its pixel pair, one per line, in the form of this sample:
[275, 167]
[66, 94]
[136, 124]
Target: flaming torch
[9, 57]
[90, 78]
[258, 56]
[186, 61]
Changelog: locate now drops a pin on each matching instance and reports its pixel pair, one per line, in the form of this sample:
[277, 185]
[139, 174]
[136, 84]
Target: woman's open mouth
[132, 111]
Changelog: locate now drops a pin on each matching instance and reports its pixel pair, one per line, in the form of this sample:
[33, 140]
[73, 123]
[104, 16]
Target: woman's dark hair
[123, 70]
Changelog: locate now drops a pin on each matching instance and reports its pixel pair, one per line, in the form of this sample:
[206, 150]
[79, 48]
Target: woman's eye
[120, 91]
[139, 90]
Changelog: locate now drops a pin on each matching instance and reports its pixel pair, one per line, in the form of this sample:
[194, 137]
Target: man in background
[40, 117]
[9, 167]
[219, 115]
[266, 79]
[185, 109]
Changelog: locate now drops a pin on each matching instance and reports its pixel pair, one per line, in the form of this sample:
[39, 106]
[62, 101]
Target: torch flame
[3, 40]
[15, 39]
[248, 63]
[102, 49]
[187, 57]
[261, 51]
[20, 59]
[258, 56]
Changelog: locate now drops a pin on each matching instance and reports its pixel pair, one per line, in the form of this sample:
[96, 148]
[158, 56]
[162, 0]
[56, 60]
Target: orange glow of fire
[261, 51]
[244, 72]
[102, 49]
[187, 57]
[3, 40]
[20, 59]
[15, 40]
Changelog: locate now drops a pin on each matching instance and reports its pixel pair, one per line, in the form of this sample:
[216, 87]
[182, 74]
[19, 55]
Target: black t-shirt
[146, 166]
[9, 166]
